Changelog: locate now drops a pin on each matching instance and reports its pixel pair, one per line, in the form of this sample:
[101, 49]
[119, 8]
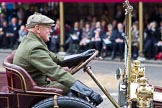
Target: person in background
[4, 12]
[3, 29]
[106, 43]
[12, 33]
[93, 22]
[74, 38]
[1, 37]
[104, 25]
[119, 13]
[151, 39]
[135, 40]
[96, 40]
[22, 33]
[158, 44]
[44, 66]
[86, 37]
[117, 39]
[54, 44]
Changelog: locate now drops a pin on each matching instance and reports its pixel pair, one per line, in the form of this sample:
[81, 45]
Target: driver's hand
[95, 98]
[67, 69]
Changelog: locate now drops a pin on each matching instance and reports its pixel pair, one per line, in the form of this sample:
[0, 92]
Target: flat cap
[38, 18]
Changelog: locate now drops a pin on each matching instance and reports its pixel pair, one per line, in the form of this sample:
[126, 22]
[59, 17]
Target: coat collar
[33, 36]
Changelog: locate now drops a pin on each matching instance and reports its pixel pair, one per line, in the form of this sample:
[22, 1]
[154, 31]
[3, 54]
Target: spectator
[107, 16]
[135, 40]
[117, 39]
[107, 44]
[5, 12]
[86, 36]
[104, 25]
[119, 14]
[134, 15]
[151, 39]
[55, 38]
[158, 44]
[96, 40]
[93, 22]
[74, 39]
[3, 29]
[22, 33]
[12, 33]
[1, 37]
[81, 24]
[20, 22]
[66, 36]
[20, 13]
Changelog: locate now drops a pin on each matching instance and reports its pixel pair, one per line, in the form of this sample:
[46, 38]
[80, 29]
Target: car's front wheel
[64, 102]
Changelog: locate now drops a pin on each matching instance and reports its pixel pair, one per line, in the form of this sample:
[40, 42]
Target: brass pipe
[105, 91]
[61, 4]
[126, 46]
[128, 15]
[129, 54]
[141, 28]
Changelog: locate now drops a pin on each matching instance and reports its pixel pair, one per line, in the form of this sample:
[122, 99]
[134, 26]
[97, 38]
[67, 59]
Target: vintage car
[18, 90]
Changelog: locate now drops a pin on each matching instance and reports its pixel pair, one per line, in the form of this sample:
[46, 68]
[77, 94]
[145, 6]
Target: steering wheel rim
[82, 65]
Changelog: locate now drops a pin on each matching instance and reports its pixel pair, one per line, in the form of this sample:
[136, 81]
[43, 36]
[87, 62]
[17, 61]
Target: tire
[64, 102]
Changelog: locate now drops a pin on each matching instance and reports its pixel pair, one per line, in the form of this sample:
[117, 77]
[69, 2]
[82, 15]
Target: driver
[34, 56]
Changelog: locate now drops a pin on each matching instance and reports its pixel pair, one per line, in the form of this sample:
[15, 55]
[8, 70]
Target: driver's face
[45, 31]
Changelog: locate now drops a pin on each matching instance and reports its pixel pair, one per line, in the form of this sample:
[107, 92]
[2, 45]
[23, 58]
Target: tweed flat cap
[38, 18]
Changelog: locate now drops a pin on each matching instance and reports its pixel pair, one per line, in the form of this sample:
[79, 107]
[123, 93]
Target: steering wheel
[82, 65]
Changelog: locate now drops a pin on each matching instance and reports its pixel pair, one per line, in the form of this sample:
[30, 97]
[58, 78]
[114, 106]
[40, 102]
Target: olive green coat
[34, 56]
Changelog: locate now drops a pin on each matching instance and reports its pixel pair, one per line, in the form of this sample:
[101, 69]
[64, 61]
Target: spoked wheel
[64, 102]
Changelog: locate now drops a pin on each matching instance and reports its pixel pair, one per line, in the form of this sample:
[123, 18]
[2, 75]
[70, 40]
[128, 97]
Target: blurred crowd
[105, 34]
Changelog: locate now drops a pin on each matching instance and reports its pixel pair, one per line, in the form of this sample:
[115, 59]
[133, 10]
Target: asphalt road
[105, 73]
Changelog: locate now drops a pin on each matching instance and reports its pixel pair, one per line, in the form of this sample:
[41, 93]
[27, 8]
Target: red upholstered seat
[20, 81]
[3, 82]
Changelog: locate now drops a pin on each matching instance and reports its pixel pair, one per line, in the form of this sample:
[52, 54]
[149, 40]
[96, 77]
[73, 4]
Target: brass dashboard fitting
[144, 93]
[135, 71]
